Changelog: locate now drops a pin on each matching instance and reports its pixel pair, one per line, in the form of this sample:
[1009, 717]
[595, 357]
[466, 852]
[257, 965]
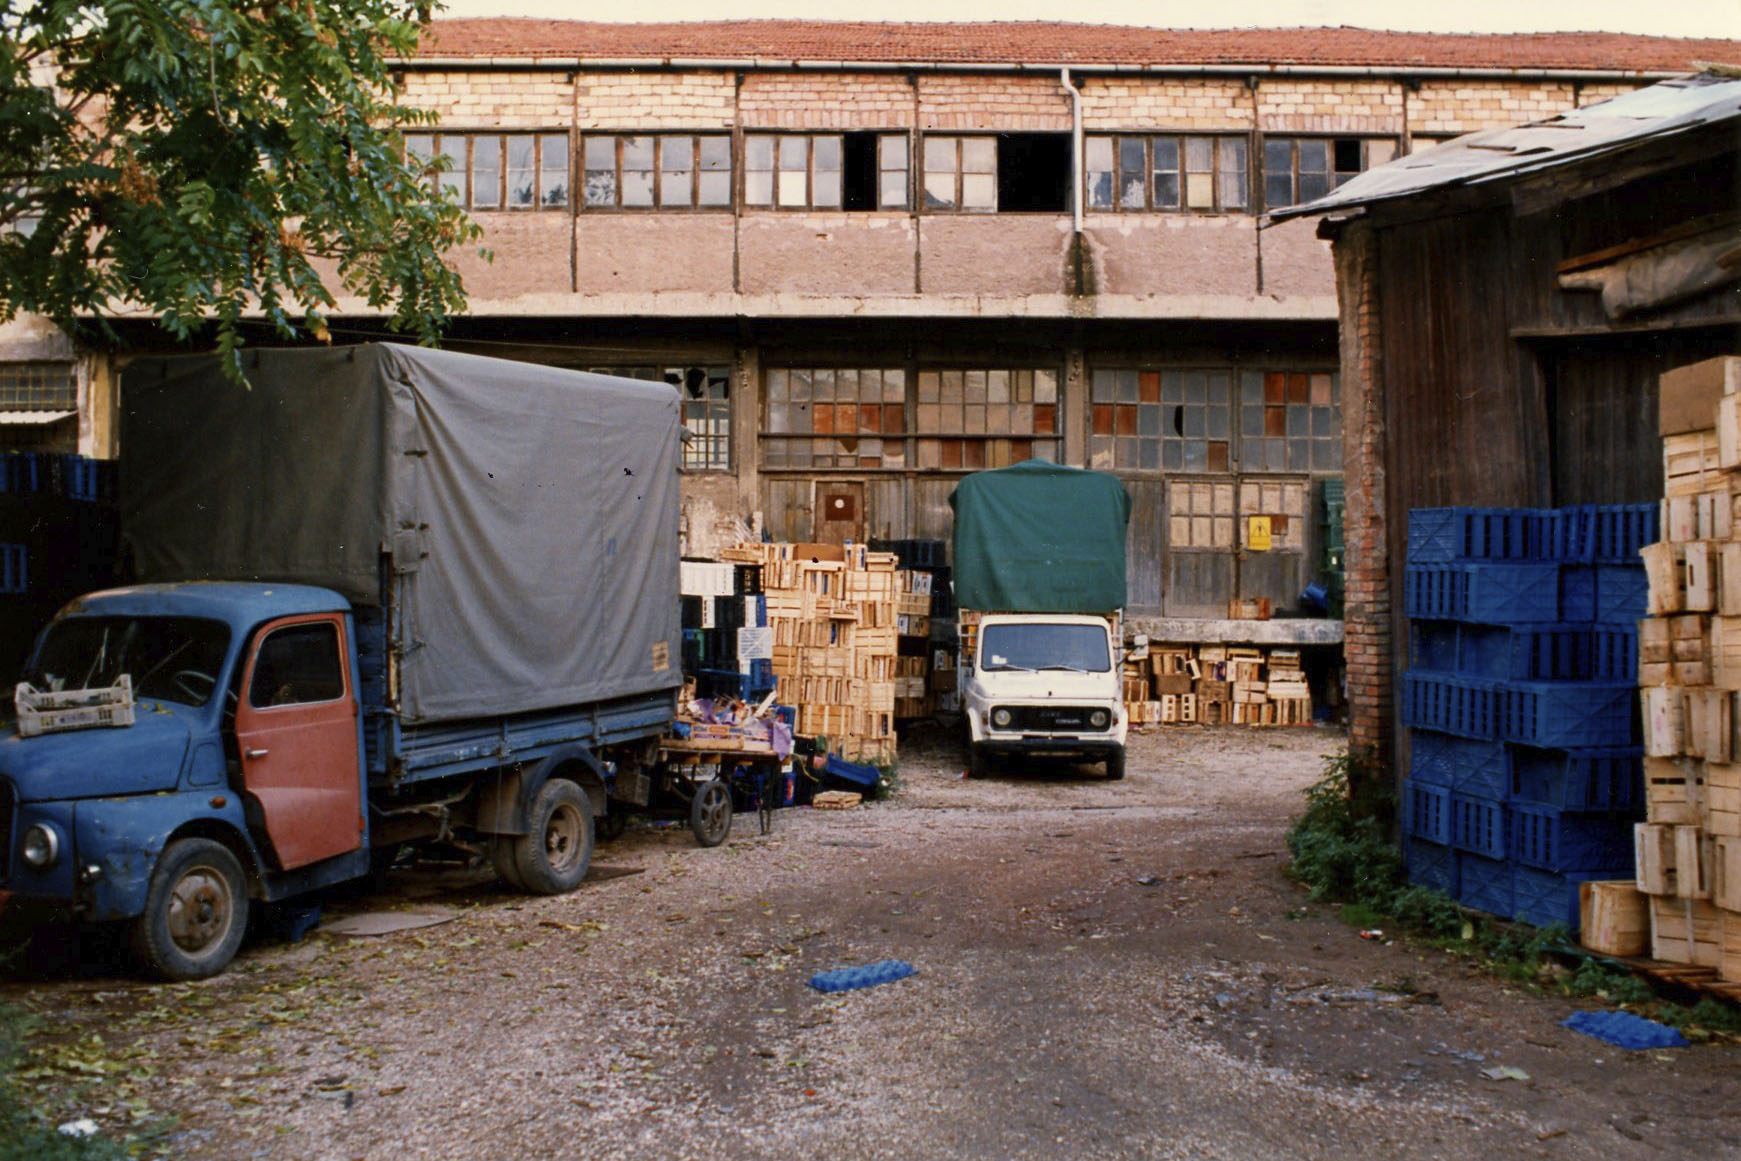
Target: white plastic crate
[45, 712]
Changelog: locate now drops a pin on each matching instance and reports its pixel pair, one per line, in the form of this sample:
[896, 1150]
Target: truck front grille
[1050, 719]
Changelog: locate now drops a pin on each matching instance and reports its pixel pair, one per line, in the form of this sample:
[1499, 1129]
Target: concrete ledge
[1192, 631]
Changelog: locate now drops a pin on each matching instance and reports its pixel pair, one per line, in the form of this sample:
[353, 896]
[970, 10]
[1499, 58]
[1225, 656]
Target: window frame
[676, 373]
[1218, 172]
[461, 175]
[699, 166]
[958, 173]
[1334, 178]
[30, 379]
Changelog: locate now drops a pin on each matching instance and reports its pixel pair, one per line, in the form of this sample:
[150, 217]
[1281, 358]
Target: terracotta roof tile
[1040, 43]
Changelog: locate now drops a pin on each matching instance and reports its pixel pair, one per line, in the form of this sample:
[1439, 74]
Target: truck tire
[196, 912]
[710, 812]
[556, 850]
[502, 858]
[1115, 765]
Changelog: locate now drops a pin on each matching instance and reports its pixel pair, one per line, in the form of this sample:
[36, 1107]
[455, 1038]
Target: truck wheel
[196, 912]
[710, 812]
[1115, 765]
[556, 850]
[502, 858]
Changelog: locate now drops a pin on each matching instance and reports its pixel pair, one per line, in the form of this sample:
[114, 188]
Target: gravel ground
[1106, 970]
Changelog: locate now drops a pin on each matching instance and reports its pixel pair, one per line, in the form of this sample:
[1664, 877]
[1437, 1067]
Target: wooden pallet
[1685, 978]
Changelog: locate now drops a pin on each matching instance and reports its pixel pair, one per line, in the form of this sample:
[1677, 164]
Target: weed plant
[1345, 852]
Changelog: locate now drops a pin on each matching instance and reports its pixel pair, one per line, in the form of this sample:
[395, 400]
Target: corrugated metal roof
[1055, 43]
[1500, 154]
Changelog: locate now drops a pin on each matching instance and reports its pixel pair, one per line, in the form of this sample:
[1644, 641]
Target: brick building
[878, 255]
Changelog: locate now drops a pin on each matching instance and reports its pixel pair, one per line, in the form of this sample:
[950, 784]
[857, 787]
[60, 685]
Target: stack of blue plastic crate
[1525, 774]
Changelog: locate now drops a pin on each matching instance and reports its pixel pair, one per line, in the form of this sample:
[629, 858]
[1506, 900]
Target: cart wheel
[710, 812]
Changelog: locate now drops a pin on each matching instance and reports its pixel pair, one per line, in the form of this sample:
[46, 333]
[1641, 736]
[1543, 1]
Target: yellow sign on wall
[1257, 537]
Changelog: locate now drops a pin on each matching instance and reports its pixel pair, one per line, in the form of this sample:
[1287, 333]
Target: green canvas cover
[1040, 538]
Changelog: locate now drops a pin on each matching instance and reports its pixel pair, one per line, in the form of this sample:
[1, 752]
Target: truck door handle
[258, 753]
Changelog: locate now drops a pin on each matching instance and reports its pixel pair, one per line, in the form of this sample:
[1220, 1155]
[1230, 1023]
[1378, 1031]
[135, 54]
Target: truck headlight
[1001, 718]
[41, 846]
[1099, 719]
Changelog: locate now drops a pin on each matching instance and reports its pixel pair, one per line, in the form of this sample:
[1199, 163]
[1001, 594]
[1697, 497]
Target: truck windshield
[171, 658]
[1081, 648]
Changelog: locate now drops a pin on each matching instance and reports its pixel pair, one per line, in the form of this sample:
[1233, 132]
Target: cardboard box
[1687, 397]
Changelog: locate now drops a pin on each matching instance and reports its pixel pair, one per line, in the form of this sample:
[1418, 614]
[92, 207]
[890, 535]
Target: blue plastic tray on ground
[853, 772]
[868, 976]
[1624, 1030]
[1581, 779]
[1472, 765]
[1430, 864]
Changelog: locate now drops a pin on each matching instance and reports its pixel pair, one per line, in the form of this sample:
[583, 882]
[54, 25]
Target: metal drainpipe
[1076, 190]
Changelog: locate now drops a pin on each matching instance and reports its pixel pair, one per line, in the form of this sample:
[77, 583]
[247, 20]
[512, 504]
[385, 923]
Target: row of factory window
[969, 173]
[1216, 419]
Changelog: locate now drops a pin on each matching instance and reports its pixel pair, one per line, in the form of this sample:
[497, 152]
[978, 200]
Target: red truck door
[296, 728]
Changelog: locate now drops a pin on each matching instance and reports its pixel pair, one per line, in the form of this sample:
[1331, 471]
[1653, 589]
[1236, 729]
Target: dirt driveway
[1105, 970]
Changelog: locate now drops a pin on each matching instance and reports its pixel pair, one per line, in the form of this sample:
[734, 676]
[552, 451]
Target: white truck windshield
[1077, 648]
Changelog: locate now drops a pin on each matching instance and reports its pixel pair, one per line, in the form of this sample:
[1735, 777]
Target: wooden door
[839, 512]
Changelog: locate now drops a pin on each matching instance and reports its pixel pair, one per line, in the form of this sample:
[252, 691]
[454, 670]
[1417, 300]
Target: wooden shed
[1508, 301]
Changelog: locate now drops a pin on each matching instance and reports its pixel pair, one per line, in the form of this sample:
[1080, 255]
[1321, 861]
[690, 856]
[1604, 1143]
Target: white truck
[1039, 558]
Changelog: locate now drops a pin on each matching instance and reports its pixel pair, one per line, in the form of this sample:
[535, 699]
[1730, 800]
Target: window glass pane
[522, 170]
[676, 171]
[978, 191]
[892, 166]
[1278, 156]
[940, 154]
[1097, 153]
[1130, 154]
[892, 194]
[1278, 190]
[758, 152]
[1233, 180]
[1313, 186]
[1200, 191]
[826, 190]
[791, 187]
[715, 189]
[486, 171]
[939, 190]
[1314, 156]
[637, 179]
[553, 170]
[826, 153]
[978, 155]
[716, 153]
[1131, 194]
[1100, 190]
[1199, 154]
[792, 152]
[601, 171]
[892, 152]
[420, 150]
[1045, 386]
[297, 665]
[758, 188]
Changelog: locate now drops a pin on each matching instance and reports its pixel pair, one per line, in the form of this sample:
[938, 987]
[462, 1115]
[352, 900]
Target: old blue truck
[388, 595]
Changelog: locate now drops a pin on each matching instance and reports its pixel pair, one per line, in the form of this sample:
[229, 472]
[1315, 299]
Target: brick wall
[1119, 103]
[1592, 94]
[1468, 106]
[844, 101]
[993, 103]
[699, 100]
[493, 100]
[1330, 106]
[1367, 618]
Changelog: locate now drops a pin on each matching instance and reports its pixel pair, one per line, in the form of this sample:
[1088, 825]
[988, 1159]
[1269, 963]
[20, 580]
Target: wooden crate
[1654, 851]
[1729, 946]
[1726, 872]
[1665, 574]
[1692, 854]
[1720, 807]
[1614, 917]
[1685, 931]
[1703, 584]
[1691, 462]
[1664, 717]
[1710, 723]
[1674, 790]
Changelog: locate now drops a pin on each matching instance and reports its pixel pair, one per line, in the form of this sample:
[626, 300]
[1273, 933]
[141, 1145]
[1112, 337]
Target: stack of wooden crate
[913, 623]
[1689, 848]
[1216, 685]
[832, 613]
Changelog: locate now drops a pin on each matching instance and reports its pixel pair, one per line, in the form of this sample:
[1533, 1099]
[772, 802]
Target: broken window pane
[553, 170]
[522, 171]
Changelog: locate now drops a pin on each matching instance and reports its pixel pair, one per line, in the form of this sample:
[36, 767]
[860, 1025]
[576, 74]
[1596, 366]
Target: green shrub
[25, 1132]
[1341, 845]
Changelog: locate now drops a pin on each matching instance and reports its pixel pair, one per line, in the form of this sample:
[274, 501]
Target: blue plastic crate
[1622, 594]
[1549, 839]
[1436, 645]
[1436, 535]
[1582, 779]
[14, 568]
[1562, 715]
[1472, 765]
[1450, 704]
[1577, 593]
[1426, 811]
[1545, 898]
[1485, 884]
[1430, 865]
[1492, 593]
[1618, 531]
[1478, 825]
[1565, 534]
